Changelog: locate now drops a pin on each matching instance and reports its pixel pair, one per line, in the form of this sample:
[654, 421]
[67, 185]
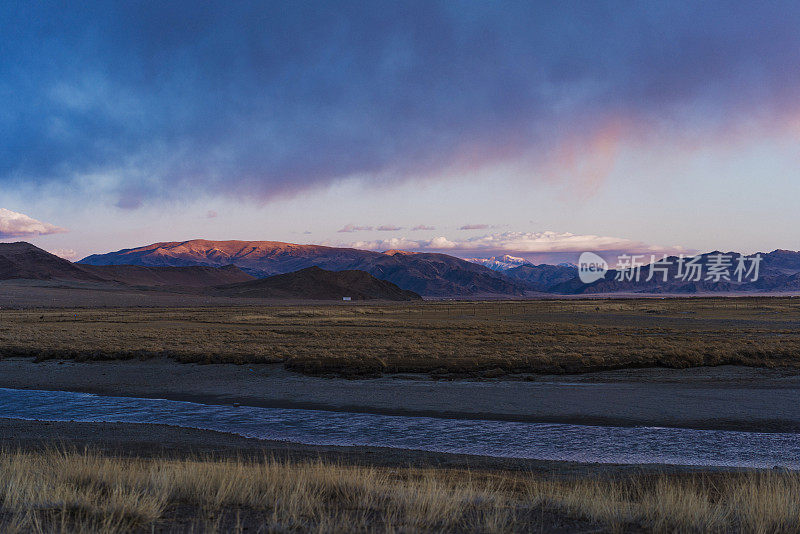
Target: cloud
[474, 227]
[353, 228]
[13, 224]
[182, 99]
[66, 253]
[211, 214]
[389, 228]
[387, 244]
[531, 242]
[440, 243]
[529, 245]
[422, 227]
[130, 198]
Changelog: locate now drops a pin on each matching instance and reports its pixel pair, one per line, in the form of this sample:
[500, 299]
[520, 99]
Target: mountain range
[777, 271]
[23, 261]
[252, 268]
[424, 273]
[440, 275]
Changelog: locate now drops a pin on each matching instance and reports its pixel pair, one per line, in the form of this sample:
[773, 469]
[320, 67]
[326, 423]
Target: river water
[544, 441]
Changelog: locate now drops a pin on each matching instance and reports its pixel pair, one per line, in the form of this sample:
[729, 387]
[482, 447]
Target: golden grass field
[481, 339]
[84, 491]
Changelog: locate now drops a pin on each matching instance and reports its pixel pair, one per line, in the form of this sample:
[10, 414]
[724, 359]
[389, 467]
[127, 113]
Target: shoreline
[774, 426]
[167, 441]
[724, 398]
[219, 471]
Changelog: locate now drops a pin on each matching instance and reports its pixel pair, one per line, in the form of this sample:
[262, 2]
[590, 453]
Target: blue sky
[468, 127]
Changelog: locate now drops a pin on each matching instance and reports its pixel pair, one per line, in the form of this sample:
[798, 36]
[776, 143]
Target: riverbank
[92, 477]
[164, 441]
[715, 398]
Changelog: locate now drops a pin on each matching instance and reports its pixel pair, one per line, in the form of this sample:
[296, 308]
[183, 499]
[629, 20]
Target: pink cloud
[585, 160]
[13, 224]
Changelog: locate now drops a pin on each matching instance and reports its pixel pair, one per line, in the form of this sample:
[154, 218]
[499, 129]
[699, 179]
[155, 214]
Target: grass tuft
[72, 491]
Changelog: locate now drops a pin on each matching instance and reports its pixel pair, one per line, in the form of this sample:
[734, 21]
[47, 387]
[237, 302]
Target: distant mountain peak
[500, 263]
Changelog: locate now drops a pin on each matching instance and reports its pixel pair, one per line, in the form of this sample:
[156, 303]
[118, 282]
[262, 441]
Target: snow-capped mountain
[501, 263]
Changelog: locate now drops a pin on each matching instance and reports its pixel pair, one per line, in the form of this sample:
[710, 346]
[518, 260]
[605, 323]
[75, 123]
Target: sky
[536, 129]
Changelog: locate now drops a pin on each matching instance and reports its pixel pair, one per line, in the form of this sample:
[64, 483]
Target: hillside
[542, 277]
[423, 273]
[196, 276]
[318, 284]
[24, 261]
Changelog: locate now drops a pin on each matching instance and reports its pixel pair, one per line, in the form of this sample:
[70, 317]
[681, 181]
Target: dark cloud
[423, 227]
[262, 99]
[389, 228]
[474, 227]
[129, 202]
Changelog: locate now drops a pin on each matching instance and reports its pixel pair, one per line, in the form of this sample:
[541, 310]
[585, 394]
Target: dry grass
[760, 502]
[57, 491]
[482, 339]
